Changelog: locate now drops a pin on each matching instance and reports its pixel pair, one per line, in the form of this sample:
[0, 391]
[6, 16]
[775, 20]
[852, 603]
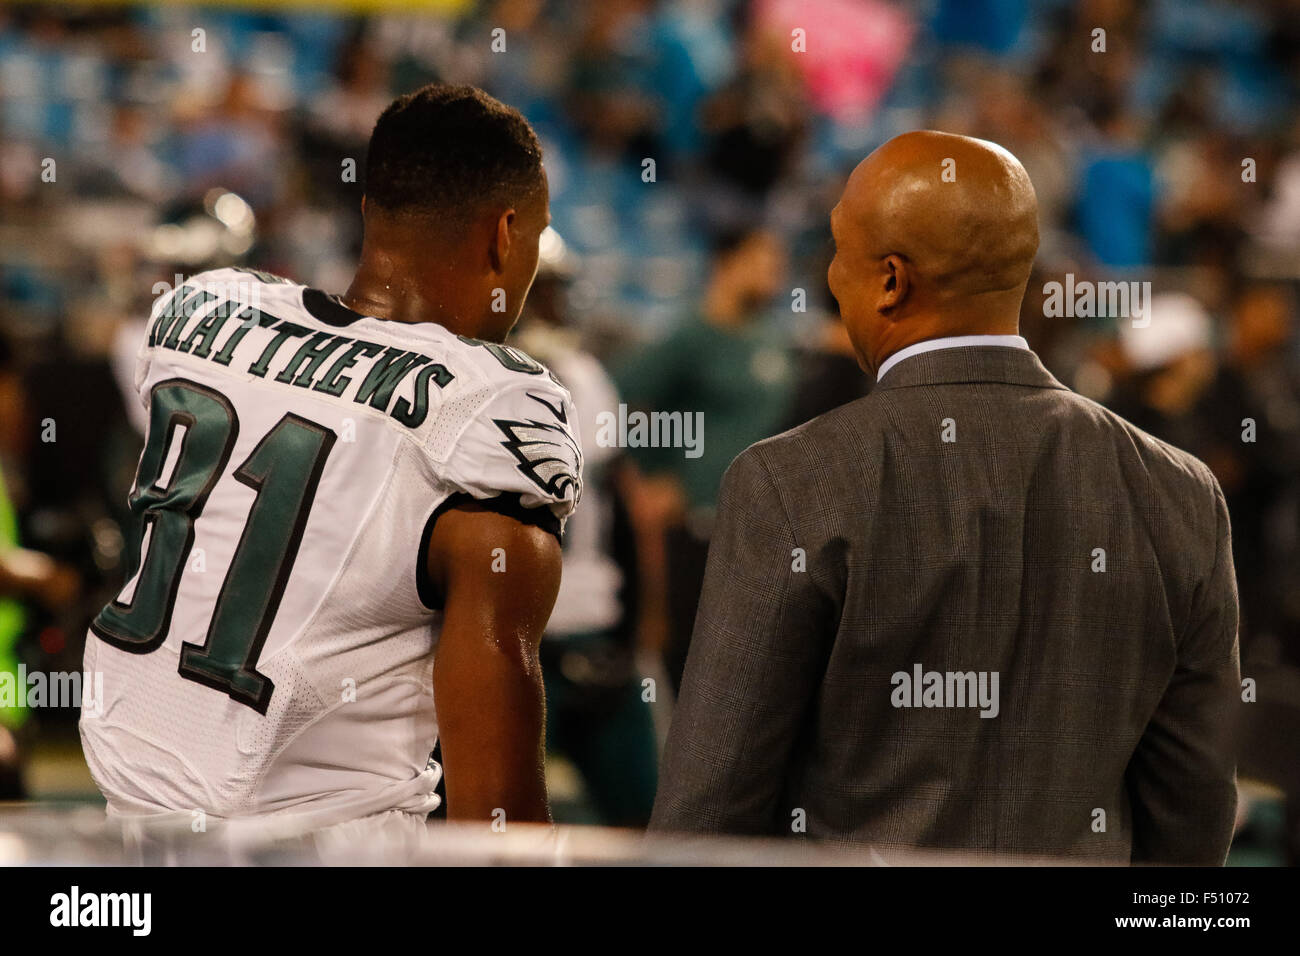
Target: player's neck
[386, 290]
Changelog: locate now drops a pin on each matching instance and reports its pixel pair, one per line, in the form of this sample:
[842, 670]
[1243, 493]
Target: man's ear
[896, 283]
[499, 250]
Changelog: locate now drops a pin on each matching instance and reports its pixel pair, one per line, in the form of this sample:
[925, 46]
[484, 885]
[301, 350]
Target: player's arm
[487, 679]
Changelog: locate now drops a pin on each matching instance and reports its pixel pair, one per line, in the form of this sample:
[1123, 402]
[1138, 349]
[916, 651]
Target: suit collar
[948, 342]
[1008, 366]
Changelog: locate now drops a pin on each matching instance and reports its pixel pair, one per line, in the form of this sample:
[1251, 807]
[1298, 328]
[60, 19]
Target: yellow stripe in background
[445, 8]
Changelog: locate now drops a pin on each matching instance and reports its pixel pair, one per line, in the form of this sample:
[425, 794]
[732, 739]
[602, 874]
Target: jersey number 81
[191, 435]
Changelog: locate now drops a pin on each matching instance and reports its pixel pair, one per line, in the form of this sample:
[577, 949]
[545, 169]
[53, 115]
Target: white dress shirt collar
[950, 342]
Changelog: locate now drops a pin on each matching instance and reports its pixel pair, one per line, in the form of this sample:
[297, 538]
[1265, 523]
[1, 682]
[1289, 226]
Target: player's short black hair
[447, 151]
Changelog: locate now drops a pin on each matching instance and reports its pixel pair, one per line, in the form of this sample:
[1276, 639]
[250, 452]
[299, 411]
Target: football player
[350, 511]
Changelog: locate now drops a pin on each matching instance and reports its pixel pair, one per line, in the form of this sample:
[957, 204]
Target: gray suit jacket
[876, 569]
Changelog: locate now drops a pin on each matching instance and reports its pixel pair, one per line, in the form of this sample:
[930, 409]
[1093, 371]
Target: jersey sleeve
[521, 452]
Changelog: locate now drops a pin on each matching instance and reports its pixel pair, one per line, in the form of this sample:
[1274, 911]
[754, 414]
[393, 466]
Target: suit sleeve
[1182, 777]
[755, 662]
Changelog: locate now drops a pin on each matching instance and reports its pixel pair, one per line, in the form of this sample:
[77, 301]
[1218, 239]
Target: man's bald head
[935, 235]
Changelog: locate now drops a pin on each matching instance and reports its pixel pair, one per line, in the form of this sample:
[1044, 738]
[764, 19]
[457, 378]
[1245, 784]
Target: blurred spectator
[1203, 210]
[338, 123]
[992, 25]
[234, 144]
[594, 712]
[755, 125]
[723, 368]
[1117, 193]
[25, 575]
[611, 101]
[1254, 407]
[1172, 365]
[1279, 223]
[828, 374]
[128, 164]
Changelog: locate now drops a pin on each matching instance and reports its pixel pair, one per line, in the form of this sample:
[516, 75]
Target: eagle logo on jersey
[556, 410]
[547, 454]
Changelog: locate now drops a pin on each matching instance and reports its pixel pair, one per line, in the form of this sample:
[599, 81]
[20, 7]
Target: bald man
[973, 610]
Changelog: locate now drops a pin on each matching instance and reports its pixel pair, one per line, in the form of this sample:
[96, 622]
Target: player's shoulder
[512, 373]
[242, 284]
[231, 286]
[504, 422]
[244, 274]
[520, 436]
[520, 398]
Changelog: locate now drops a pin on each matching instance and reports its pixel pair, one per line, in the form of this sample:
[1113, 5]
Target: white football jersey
[272, 650]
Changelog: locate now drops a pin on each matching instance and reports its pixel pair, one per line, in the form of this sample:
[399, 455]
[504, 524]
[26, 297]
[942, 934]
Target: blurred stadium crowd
[694, 151]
